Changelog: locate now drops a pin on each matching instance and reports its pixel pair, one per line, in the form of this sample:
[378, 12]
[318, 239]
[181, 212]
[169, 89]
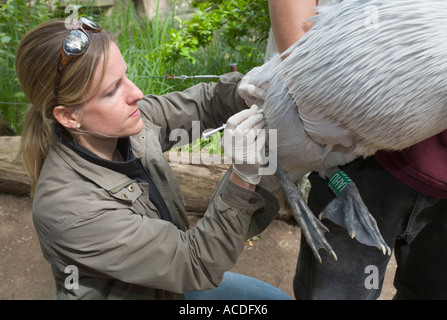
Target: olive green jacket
[103, 237]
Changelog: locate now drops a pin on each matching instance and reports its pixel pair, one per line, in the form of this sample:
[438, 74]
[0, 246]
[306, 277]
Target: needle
[207, 134]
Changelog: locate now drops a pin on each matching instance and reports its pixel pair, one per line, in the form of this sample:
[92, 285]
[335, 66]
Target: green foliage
[239, 24]
[16, 18]
[217, 34]
[139, 40]
[210, 146]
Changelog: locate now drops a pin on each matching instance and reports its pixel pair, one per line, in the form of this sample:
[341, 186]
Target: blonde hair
[37, 58]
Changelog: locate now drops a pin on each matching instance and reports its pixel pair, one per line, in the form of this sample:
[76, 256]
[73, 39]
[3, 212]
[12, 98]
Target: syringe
[209, 133]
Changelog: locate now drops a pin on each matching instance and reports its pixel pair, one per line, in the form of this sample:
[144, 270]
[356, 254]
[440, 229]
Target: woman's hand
[243, 142]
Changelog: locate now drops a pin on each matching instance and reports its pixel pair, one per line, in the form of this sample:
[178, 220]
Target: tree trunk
[197, 180]
[13, 178]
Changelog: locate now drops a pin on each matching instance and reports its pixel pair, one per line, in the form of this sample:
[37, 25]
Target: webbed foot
[349, 211]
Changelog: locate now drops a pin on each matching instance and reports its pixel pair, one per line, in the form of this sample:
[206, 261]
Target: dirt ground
[25, 275]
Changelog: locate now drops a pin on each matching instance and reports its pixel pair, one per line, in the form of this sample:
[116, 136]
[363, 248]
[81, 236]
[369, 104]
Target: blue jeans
[236, 286]
[411, 223]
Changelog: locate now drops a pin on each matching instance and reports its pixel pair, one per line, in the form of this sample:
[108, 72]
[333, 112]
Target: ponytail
[36, 140]
[37, 59]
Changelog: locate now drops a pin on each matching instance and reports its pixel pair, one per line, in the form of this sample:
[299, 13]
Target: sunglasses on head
[75, 44]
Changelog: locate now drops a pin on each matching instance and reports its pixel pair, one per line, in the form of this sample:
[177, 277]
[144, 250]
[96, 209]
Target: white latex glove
[250, 91]
[255, 83]
[243, 142]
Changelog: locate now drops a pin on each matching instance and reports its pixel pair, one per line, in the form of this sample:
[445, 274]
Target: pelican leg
[312, 229]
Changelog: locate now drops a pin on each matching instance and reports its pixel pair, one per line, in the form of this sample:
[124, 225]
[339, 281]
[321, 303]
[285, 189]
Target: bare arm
[289, 20]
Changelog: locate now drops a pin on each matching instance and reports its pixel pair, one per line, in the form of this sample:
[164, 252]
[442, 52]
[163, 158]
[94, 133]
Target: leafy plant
[240, 24]
[217, 34]
[16, 18]
[139, 40]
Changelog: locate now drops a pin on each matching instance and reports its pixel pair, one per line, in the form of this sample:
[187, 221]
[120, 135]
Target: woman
[106, 203]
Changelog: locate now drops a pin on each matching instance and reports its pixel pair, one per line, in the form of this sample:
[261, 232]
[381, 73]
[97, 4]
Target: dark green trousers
[414, 225]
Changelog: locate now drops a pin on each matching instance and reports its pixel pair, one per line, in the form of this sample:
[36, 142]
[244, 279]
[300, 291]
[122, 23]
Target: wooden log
[13, 178]
[197, 175]
[197, 179]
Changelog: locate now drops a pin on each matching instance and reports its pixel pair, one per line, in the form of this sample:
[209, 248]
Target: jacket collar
[80, 158]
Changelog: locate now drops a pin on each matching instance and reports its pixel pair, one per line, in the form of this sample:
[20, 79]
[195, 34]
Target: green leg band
[338, 181]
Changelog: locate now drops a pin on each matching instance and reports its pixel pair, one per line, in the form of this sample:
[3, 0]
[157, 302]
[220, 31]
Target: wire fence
[233, 67]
